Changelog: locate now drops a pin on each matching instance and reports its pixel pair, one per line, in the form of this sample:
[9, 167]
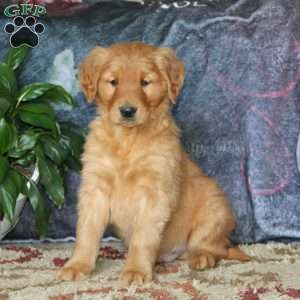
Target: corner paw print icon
[24, 31]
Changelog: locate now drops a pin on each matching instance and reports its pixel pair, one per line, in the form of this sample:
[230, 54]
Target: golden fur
[136, 175]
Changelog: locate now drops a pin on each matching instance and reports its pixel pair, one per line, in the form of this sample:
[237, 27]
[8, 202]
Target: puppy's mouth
[132, 122]
[118, 120]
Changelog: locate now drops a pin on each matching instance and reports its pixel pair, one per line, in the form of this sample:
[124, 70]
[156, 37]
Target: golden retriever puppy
[136, 175]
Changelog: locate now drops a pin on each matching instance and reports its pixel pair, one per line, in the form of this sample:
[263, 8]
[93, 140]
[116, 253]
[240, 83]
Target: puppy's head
[132, 81]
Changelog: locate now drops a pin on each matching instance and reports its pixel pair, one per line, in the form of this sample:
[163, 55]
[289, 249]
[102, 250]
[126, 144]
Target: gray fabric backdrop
[239, 109]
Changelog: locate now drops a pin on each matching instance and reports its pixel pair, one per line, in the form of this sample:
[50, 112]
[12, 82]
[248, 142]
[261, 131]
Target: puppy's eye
[145, 82]
[114, 82]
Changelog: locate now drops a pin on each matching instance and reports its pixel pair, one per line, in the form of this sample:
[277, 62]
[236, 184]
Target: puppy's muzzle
[128, 112]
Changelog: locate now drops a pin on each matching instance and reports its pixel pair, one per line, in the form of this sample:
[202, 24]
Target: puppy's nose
[128, 112]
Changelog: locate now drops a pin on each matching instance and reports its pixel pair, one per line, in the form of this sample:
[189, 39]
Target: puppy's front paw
[74, 271]
[202, 261]
[135, 276]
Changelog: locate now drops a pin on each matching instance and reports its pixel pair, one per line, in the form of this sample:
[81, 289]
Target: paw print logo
[24, 31]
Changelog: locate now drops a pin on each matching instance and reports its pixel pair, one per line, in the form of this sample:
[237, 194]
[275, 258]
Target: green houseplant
[35, 149]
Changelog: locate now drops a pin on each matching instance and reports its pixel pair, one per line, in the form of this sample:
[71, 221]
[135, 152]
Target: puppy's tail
[237, 254]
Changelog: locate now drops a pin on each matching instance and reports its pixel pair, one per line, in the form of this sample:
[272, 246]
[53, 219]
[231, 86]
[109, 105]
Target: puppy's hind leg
[209, 239]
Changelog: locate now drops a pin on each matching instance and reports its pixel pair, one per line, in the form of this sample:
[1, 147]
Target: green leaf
[41, 217]
[73, 164]
[9, 192]
[57, 131]
[8, 203]
[8, 136]
[4, 167]
[59, 94]
[19, 181]
[8, 84]
[73, 161]
[1, 211]
[16, 153]
[39, 108]
[16, 56]
[39, 120]
[4, 106]
[74, 140]
[33, 193]
[26, 160]
[25, 142]
[10, 184]
[52, 180]
[33, 91]
[39, 207]
[54, 150]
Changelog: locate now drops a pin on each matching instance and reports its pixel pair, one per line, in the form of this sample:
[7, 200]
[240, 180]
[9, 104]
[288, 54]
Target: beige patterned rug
[28, 273]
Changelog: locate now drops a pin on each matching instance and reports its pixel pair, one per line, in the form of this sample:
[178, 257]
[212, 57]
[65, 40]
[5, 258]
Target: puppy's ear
[173, 70]
[90, 70]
